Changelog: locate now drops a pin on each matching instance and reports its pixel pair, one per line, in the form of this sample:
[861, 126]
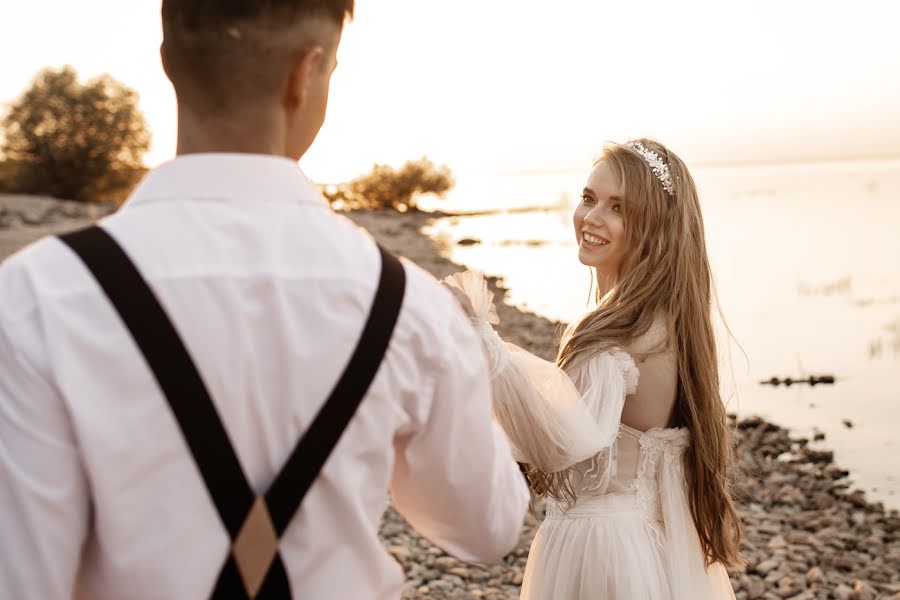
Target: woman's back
[630, 462]
[629, 533]
[653, 400]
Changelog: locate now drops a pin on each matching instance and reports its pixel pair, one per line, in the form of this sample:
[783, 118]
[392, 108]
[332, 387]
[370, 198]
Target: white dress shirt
[269, 289]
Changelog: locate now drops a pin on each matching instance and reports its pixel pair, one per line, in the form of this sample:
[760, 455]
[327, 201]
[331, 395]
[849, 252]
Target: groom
[157, 372]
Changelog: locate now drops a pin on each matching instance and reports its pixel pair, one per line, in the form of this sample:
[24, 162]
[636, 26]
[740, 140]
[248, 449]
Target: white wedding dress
[629, 535]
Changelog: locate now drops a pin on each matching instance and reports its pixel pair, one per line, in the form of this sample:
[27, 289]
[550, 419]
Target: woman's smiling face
[599, 226]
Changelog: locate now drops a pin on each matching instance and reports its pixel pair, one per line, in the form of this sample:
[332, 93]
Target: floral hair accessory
[657, 165]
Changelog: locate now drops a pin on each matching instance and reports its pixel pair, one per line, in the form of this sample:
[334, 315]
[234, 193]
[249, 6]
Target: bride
[626, 434]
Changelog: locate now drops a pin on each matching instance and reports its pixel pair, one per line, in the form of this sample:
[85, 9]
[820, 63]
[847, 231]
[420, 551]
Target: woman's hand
[471, 290]
[464, 301]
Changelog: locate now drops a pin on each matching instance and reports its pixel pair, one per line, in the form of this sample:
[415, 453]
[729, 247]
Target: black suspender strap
[254, 523]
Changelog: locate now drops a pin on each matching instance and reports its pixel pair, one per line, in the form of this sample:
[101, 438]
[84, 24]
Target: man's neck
[257, 135]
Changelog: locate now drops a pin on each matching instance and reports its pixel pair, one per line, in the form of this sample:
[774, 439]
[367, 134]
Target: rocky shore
[808, 533]
[24, 219]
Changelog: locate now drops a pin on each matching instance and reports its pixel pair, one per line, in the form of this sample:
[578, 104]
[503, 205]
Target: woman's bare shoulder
[651, 406]
[655, 340]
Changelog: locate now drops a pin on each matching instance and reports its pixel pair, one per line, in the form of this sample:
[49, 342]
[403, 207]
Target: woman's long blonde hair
[665, 269]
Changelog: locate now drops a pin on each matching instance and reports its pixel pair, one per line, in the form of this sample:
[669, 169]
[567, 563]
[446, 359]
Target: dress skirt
[603, 548]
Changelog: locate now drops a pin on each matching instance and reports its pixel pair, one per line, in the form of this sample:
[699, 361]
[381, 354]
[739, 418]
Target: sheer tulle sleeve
[548, 422]
[690, 576]
[605, 380]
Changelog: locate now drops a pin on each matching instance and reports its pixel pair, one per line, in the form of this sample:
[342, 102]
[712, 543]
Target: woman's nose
[594, 217]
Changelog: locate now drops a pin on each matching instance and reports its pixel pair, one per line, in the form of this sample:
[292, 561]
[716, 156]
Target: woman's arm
[551, 422]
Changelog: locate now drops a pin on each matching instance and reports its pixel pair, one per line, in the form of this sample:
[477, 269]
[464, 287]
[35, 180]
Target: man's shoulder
[434, 322]
[427, 296]
[40, 268]
[424, 295]
[431, 319]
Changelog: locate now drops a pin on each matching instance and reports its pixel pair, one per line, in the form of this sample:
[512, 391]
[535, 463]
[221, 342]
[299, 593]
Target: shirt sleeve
[43, 490]
[455, 479]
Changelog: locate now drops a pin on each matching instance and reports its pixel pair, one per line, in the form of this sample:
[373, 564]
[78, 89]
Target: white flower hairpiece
[657, 165]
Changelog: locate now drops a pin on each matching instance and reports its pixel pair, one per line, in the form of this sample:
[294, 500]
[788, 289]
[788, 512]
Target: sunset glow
[523, 86]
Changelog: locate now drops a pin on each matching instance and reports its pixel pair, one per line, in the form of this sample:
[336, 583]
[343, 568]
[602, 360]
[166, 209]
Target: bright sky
[518, 85]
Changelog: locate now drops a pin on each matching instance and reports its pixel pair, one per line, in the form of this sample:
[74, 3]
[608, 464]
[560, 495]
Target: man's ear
[305, 70]
[162, 58]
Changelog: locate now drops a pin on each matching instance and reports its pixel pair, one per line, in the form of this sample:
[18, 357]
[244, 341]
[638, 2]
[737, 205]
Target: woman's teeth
[593, 240]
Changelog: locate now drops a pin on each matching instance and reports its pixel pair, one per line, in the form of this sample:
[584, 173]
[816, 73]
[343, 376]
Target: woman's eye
[587, 200]
[617, 208]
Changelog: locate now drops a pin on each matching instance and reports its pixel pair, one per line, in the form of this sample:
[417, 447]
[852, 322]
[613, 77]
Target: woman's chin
[588, 258]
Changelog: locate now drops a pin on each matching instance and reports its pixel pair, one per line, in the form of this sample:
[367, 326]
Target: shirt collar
[211, 176]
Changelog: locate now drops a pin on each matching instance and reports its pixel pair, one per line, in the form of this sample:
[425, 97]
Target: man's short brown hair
[220, 54]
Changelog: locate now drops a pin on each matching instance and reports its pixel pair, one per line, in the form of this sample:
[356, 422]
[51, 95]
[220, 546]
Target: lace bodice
[632, 464]
[630, 460]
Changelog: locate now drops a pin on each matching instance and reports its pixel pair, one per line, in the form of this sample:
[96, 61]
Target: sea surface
[806, 260]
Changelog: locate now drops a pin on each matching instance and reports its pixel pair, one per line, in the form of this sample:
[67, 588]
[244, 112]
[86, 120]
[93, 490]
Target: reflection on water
[887, 343]
[842, 286]
[806, 266]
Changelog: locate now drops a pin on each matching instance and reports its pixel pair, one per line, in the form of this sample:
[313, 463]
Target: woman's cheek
[620, 229]
[577, 220]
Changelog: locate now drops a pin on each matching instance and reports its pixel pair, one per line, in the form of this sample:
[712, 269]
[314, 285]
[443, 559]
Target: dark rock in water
[526, 243]
[812, 380]
[468, 242]
[834, 472]
[819, 456]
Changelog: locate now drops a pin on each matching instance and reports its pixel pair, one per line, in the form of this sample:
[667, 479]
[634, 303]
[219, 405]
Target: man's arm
[455, 479]
[44, 501]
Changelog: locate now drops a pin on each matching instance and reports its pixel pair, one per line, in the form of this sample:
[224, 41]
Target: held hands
[471, 291]
[464, 301]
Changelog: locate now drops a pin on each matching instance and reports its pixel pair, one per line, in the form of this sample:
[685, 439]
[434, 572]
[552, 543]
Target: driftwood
[789, 381]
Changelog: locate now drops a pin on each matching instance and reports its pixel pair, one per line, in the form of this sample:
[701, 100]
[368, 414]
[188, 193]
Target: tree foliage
[386, 186]
[72, 140]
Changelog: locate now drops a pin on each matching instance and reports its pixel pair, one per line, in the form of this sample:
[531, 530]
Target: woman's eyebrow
[591, 192]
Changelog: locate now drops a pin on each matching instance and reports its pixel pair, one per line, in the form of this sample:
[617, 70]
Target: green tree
[72, 140]
[386, 186]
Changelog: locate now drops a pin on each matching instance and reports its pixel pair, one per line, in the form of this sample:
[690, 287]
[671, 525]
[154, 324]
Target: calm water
[807, 266]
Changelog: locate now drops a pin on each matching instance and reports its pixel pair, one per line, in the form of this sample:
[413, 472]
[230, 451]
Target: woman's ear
[306, 69]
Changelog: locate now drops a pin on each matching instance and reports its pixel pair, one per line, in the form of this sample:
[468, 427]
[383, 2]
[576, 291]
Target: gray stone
[842, 592]
[815, 575]
[766, 566]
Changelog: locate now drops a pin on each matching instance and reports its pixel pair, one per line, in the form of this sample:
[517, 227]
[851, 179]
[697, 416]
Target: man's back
[269, 291]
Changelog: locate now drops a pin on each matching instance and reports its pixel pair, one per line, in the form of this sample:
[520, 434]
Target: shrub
[386, 186]
[75, 141]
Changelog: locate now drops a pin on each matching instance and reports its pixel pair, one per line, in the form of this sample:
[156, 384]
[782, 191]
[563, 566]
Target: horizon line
[702, 165]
